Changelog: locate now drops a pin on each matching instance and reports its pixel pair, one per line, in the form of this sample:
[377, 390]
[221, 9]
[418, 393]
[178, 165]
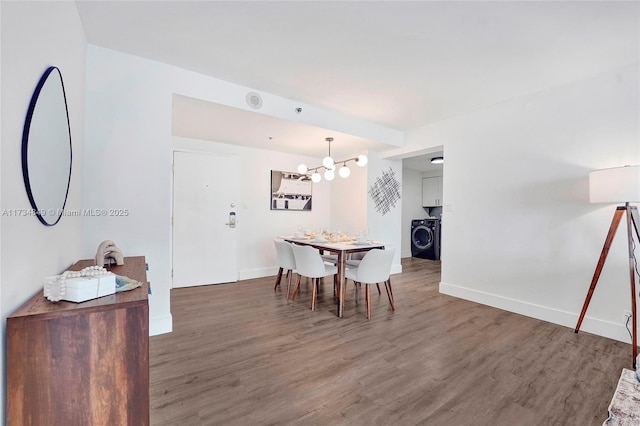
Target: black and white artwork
[290, 191]
[385, 193]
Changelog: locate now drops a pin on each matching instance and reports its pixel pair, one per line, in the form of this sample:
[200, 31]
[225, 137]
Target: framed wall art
[290, 191]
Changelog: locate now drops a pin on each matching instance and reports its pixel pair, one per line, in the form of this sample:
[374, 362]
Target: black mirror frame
[25, 144]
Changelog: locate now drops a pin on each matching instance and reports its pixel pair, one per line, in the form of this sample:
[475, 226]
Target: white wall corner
[160, 325]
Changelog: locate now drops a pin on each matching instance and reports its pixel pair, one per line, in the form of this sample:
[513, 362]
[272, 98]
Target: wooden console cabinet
[81, 363]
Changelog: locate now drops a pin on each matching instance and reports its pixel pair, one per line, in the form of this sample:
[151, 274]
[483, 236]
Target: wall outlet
[627, 314]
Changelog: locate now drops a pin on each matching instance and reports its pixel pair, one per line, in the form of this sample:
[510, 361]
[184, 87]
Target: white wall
[349, 201]
[258, 225]
[128, 165]
[522, 235]
[411, 206]
[340, 205]
[36, 35]
[385, 227]
[129, 140]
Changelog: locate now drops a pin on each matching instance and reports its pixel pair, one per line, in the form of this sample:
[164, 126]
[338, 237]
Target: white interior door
[205, 187]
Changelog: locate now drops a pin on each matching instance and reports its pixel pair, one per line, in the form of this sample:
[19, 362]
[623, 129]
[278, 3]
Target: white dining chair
[354, 261]
[355, 258]
[330, 258]
[286, 262]
[309, 264]
[374, 268]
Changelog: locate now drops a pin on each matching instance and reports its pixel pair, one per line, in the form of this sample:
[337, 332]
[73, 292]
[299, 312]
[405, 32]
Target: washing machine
[425, 238]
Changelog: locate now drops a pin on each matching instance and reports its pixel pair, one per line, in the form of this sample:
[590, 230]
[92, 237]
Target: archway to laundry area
[423, 203]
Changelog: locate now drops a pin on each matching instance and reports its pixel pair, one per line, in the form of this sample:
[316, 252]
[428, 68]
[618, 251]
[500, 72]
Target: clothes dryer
[425, 238]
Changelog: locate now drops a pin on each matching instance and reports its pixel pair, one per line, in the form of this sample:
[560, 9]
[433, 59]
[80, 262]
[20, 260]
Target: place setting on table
[340, 245]
[324, 236]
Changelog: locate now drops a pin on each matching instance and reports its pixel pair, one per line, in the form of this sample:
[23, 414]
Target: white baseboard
[160, 325]
[396, 268]
[545, 313]
[249, 274]
[405, 254]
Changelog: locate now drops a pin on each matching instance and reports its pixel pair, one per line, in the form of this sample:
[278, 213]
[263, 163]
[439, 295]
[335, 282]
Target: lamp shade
[327, 162]
[344, 171]
[329, 174]
[615, 185]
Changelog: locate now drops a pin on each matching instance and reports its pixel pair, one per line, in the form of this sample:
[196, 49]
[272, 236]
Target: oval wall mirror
[46, 148]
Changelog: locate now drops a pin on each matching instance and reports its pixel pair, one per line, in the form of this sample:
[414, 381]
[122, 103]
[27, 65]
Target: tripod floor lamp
[617, 185]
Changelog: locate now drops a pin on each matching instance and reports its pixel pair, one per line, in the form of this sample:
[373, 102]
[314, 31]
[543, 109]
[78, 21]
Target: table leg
[341, 282]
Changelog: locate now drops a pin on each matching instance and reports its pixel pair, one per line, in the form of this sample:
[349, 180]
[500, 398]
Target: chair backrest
[309, 263]
[284, 255]
[375, 266]
[357, 255]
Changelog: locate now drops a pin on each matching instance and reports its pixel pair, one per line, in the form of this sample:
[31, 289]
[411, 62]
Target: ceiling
[199, 119]
[422, 163]
[398, 64]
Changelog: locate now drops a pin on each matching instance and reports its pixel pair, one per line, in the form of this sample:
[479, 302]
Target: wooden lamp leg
[633, 223]
[603, 256]
[632, 278]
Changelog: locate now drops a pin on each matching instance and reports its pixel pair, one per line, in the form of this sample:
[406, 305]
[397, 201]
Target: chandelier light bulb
[315, 177]
[344, 171]
[327, 162]
[329, 174]
[361, 160]
[302, 168]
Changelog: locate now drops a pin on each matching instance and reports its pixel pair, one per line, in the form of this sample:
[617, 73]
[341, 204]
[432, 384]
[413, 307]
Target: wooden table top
[134, 267]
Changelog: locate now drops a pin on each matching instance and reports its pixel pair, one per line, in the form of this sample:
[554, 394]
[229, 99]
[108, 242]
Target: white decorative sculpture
[108, 250]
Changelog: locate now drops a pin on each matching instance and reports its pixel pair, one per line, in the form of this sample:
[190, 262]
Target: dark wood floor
[240, 354]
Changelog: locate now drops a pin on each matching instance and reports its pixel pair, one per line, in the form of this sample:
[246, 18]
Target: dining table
[343, 249]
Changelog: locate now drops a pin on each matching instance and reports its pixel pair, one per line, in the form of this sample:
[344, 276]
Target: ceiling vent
[254, 100]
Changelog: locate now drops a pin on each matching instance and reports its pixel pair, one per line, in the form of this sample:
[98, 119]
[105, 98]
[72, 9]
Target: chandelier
[329, 166]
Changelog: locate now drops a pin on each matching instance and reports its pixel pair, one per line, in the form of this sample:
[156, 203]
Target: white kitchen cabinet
[432, 191]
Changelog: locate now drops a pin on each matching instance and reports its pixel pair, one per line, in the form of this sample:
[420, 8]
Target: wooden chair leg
[314, 283]
[387, 285]
[295, 287]
[278, 277]
[289, 275]
[378, 285]
[356, 285]
[390, 289]
[368, 299]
